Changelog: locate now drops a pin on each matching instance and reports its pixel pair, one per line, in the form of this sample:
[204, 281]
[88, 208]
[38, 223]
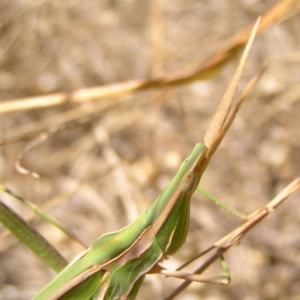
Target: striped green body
[119, 260]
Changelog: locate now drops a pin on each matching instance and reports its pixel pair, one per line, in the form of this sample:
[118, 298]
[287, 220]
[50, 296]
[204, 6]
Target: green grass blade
[39, 212]
[31, 238]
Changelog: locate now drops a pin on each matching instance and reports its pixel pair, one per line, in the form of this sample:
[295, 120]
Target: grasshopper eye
[189, 182]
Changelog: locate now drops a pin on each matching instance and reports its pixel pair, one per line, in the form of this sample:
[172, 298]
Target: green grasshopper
[116, 265]
[121, 259]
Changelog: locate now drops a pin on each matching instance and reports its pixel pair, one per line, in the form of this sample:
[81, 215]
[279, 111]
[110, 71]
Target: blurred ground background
[99, 177]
